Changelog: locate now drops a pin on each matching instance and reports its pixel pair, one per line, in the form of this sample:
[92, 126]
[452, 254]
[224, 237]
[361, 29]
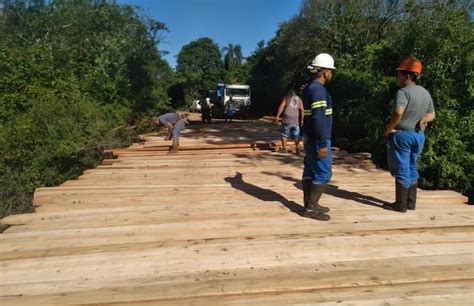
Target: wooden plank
[261, 254]
[222, 226]
[147, 205]
[277, 211]
[254, 145]
[430, 293]
[26, 247]
[353, 207]
[158, 286]
[244, 227]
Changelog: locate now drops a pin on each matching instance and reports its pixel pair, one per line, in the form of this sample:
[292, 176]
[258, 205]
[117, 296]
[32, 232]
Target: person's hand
[277, 120]
[301, 122]
[323, 153]
[421, 126]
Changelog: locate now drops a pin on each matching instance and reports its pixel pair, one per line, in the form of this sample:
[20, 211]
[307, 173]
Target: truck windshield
[237, 92]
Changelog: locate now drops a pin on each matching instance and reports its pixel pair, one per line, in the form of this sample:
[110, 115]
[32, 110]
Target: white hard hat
[322, 60]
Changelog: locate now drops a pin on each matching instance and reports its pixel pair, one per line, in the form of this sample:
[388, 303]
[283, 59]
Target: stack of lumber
[218, 224]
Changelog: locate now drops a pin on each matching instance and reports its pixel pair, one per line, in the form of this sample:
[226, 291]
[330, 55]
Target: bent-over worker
[175, 123]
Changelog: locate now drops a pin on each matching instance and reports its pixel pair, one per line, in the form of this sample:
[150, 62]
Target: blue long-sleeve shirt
[317, 113]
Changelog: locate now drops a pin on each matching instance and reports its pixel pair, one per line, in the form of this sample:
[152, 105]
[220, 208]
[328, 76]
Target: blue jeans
[404, 147]
[291, 131]
[177, 129]
[318, 170]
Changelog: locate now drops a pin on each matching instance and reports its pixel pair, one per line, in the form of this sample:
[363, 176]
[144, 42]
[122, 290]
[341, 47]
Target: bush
[72, 72]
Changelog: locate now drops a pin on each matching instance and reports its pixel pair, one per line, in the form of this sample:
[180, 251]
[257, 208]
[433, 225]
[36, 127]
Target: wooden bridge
[220, 223]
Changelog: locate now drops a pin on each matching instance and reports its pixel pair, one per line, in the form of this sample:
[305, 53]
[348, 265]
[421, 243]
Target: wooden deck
[219, 223]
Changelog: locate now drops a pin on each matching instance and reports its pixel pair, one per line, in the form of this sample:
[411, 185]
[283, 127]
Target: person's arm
[395, 119]
[281, 107]
[426, 119]
[301, 113]
[169, 136]
[319, 118]
[318, 114]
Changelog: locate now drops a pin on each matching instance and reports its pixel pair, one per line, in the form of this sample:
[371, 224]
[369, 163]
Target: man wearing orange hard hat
[413, 109]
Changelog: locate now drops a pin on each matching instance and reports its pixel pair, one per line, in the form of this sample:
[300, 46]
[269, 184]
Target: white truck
[240, 96]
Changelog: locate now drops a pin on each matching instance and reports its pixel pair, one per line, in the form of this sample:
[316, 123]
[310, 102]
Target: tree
[232, 56]
[72, 71]
[368, 39]
[199, 67]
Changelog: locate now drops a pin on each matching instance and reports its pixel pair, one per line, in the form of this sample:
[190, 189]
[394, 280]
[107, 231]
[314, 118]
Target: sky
[243, 22]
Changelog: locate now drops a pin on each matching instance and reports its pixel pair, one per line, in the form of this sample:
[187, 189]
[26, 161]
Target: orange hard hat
[410, 64]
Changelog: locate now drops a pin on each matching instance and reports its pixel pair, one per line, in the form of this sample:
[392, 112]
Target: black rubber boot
[411, 203]
[316, 214]
[315, 194]
[312, 208]
[310, 204]
[306, 191]
[401, 199]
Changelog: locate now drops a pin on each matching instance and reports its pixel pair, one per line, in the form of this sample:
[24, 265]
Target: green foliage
[368, 39]
[236, 71]
[199, 68]
[232, 56]
[238, 75]
[72, 71]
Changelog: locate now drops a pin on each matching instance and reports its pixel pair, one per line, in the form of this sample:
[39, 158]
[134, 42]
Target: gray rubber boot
[312, 208]
[401, 199]
[411, 203]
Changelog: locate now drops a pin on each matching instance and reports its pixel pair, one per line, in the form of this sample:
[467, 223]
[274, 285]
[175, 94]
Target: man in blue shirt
[317, 130]
[229, 109]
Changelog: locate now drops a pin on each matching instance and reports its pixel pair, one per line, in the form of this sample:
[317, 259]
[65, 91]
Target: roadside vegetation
[368, 39]
[72, 73]
[75, 73]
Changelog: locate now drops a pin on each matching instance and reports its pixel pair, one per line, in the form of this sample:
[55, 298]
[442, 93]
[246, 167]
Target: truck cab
[240, 96]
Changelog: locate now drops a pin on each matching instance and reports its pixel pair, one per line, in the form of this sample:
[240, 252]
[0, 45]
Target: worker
[292, 109]
[229, 109]
[413, 109]
[317, 130]
[175, 123]
[205, 109]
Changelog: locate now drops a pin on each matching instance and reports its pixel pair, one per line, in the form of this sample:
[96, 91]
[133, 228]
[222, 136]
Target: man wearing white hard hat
[317, 130]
